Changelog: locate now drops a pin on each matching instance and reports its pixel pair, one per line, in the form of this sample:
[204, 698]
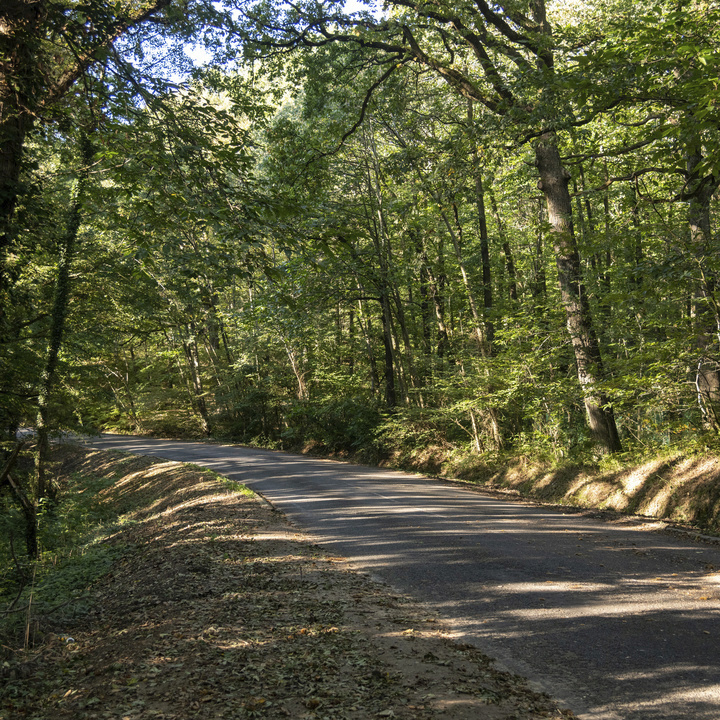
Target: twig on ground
[28, 621]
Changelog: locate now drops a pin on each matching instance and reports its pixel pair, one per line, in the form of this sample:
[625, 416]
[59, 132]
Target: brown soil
[218, 608]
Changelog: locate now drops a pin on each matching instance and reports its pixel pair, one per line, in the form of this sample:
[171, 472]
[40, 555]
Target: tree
[61, 301]
[180, 216]
[659, 65]
[502, 57]
[45, 49]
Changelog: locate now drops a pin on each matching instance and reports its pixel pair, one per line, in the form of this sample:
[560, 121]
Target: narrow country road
[617, 621]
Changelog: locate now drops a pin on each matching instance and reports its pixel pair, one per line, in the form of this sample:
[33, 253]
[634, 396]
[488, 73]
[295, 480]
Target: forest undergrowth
[176, 592]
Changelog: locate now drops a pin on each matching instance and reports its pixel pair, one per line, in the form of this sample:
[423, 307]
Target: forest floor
[214, 606]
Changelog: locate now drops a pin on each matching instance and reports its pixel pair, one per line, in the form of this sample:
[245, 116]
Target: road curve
[618, 621]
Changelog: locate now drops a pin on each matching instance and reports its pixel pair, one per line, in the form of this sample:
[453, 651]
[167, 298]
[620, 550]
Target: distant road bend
[619, 622]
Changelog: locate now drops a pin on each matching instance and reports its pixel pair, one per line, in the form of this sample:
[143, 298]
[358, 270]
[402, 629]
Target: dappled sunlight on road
[619, 619]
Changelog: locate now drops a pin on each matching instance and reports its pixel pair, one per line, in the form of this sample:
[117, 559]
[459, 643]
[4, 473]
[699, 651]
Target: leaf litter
[218, 608]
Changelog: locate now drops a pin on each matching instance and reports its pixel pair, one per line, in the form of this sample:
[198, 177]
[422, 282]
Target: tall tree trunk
[19, 76]
[707, 316]
[19, 22]
[424, 278]
[404, 333]
[484, 240]
[61, 300]
[485, 261]
[485, 332]
[605, 263]
[507, 251]
[350, 356]
[366, 327]
[554, 186]
[300, 374]
[192, 356]
[538, 286]
[378, 230]
[389, 355]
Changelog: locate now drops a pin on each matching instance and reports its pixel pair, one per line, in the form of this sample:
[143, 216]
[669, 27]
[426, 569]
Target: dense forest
[485, 228]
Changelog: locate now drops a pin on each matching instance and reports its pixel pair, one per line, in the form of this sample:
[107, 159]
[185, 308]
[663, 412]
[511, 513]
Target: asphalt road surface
[615, 619]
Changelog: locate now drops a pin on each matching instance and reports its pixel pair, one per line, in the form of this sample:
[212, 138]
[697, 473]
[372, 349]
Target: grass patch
[231, 485]
[79, 543]
[79, 536]
[74, 553]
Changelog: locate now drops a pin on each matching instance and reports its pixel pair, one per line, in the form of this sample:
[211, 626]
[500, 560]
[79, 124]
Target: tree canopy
[462, 228]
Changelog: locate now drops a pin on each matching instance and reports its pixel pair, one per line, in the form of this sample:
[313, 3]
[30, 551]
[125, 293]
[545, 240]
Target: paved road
[617, 621]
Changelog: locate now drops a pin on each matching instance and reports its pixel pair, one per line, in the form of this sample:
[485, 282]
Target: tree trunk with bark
[706, 313]
[554, 186]
[485, 260]
[20, 21]
[192, 356]
[61, 301]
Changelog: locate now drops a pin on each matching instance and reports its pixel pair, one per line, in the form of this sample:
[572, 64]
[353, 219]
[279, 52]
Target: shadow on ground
[677, 489]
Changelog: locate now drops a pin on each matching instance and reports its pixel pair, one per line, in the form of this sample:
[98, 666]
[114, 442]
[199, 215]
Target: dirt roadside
[218, 608]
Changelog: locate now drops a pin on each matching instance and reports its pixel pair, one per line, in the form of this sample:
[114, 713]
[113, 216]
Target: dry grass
[677, 489]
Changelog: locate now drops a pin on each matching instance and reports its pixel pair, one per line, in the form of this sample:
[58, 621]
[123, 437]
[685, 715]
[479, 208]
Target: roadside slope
[680, 489]
[218, 608]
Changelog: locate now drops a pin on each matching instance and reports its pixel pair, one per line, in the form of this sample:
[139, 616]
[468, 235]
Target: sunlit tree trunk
[554, 186]
[298, 371]
[424, 306]
[192, 356]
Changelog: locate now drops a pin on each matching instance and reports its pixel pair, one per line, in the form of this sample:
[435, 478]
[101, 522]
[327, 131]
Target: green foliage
[73, 535]
[304, 255]
[345, 426]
